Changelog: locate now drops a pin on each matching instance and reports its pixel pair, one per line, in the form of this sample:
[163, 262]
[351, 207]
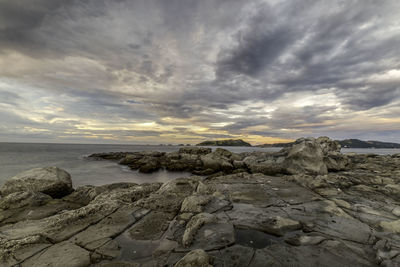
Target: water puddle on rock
[135, 249]
[255, 239]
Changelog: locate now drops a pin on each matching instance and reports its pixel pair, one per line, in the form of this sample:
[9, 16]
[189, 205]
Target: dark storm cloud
[334, 49]
[258, 45]
[375, 96]
[20, 18]
[213, 64]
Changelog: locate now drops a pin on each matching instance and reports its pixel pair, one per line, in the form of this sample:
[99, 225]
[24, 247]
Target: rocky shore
[306, 205]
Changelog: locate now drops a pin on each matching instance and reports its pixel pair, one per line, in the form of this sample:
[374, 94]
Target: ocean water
[17, 157]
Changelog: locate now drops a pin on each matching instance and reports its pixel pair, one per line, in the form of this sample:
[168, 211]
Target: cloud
[258, 44]
[171, 71]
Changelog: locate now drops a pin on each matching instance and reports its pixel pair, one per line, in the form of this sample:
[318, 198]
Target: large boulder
[305, 156]
[52, 181]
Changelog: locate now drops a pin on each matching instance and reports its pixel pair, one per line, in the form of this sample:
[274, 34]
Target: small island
[227, 142]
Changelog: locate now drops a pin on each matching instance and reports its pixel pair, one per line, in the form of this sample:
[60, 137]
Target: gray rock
[21, 199]
[328, 145]
[52, 181]
[195, 150]
[195, 203]
[195, 258]
[214, 236]
[194, 225]
[66, 254]
[152, 226]
[36, 206]
[237, 256]
[170, 195]
[119, 264]
[109, 227]
[336, 162]
[349, 217]
[305, 240]
[327, 254]
[305, 156]
[17, 250]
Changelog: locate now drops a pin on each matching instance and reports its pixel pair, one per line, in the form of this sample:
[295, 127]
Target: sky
[150, 72]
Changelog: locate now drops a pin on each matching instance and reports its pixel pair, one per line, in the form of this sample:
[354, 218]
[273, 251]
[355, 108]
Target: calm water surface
[17, 157]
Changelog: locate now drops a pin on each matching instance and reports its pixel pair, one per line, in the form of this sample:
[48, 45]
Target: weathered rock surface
[52, 181]
[64, 253]
[195, 258]
[313, 212]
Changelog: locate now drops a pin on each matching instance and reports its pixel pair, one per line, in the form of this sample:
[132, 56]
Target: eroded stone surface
[195, 258]
[64, 253]
[348, 216]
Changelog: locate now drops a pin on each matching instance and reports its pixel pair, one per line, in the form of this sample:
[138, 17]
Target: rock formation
[319, 208]
[51, 181]
[306, 155]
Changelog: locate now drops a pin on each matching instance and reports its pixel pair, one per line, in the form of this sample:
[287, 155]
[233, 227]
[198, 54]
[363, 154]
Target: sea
[18, 157]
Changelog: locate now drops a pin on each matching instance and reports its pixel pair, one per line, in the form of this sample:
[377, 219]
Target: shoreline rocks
[306, 155]
[344, 214]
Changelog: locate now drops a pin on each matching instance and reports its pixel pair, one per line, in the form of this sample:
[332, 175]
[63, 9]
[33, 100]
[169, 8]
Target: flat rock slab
[16, 251]
[62, 254]
[212, 236]
[152, 226]
[344, 228]
[61, 226]
[110, 226]
[261, 189]
[236, 256]
[272, 220]
[330, 253]
[134, 250]
[35, 212]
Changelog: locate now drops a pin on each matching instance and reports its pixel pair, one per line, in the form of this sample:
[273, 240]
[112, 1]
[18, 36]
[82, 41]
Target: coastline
[310, 203]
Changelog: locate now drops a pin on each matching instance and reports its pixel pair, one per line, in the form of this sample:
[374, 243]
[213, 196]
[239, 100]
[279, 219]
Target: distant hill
[228, 142]
[347, 143]
[355, 143]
